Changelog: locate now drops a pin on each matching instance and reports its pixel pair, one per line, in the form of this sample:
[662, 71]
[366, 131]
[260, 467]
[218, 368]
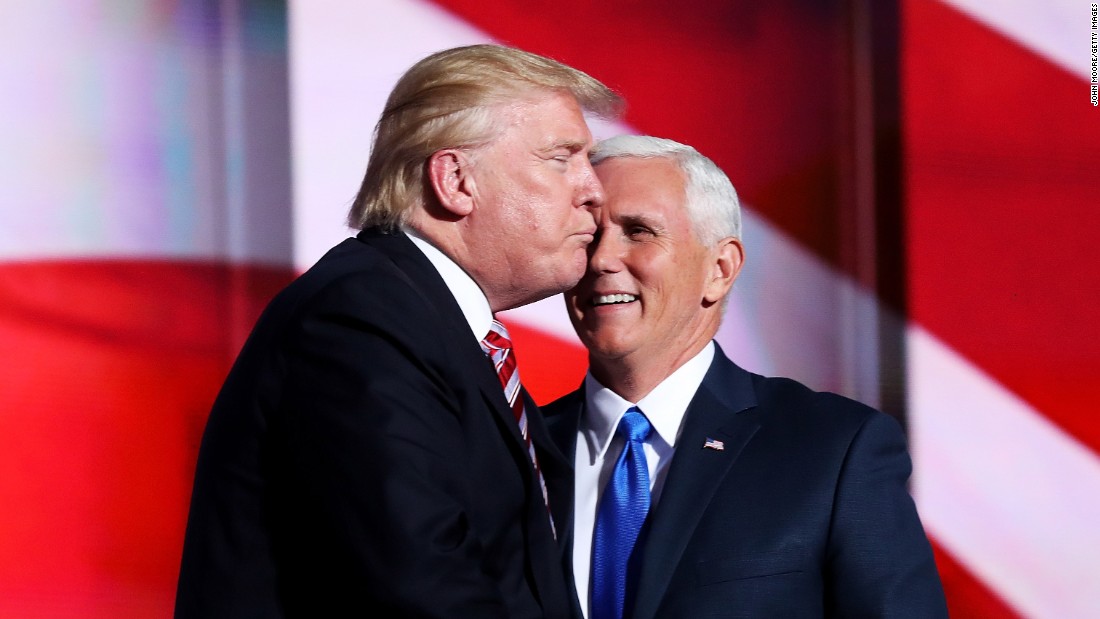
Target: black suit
[361, 460]
[804, 511]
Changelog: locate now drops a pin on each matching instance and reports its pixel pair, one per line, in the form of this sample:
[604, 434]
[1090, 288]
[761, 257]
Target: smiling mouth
[613, 299]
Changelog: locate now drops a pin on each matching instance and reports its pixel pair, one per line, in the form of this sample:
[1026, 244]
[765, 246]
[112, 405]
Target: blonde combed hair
[444, 101]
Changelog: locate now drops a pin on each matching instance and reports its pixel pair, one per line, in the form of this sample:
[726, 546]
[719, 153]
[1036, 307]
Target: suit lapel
[429, 284]
[723, 409]
[562, 422]
[563, 419]
[556, 470]
[561, 430]
[426, 281]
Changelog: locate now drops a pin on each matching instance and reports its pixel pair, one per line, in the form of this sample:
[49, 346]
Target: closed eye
[563, 151]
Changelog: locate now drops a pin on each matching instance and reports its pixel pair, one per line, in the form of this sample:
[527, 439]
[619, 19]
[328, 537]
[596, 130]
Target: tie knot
[497, 338]
[634, 425]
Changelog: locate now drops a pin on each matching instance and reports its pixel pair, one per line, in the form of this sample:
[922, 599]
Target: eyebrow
[640, 219]
[573, 146]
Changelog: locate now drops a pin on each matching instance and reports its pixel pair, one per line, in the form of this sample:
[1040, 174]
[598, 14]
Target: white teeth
[609, 299]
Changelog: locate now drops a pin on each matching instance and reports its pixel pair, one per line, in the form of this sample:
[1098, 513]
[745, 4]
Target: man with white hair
[372, 452]
[703, 490]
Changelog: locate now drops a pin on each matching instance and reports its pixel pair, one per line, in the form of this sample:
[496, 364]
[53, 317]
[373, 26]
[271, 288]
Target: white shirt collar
[471, 300]
[664, 406]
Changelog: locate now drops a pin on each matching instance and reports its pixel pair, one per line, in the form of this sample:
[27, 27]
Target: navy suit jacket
[804, 512]
[361, 460]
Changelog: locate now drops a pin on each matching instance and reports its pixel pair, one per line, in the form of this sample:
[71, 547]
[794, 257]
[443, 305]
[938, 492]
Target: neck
[633, 377]
[448, 237]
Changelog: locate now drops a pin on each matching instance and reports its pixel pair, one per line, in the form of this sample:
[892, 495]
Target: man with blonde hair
[372, 451]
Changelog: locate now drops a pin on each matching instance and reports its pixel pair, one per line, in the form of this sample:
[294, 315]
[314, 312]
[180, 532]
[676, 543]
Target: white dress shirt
[471, 300]
[598, 448]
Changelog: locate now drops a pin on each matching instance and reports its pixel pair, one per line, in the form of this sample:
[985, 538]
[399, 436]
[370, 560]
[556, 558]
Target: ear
[449, 175]
[727, 265]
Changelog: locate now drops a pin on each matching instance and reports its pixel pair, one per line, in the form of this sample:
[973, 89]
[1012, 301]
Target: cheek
[554, 191]
[548, 222]
[652, 270]
[517, 215]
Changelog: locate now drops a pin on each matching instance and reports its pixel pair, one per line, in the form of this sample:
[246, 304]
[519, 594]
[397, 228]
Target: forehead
[640, 186]
[545, 119]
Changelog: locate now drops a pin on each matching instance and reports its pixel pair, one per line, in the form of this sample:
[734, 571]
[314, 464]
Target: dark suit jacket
[804, 513]
[361, 460]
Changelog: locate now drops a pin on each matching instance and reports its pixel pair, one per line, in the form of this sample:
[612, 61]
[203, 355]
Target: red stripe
[1002, 154]
[110, 372]
[551, 367]
[966, 595]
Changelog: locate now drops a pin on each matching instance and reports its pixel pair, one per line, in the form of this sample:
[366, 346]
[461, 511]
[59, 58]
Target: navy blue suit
[804, 512]
[361, 460]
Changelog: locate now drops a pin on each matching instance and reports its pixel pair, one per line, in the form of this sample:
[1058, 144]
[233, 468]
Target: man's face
[534, 188]
[649, 292]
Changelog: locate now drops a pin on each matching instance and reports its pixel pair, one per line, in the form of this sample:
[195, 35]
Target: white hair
[712, 203]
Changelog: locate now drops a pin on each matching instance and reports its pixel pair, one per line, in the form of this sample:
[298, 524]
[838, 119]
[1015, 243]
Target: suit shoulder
[564, 404]
[356, 275]
[351, 260]
[795, 403]
[361, 286]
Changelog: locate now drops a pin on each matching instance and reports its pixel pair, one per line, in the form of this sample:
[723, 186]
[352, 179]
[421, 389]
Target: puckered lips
[586, 235]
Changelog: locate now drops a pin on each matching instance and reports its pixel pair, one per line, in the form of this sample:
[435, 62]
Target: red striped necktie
[498, 346]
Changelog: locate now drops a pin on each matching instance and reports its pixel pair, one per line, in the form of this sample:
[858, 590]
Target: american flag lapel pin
[716, 445]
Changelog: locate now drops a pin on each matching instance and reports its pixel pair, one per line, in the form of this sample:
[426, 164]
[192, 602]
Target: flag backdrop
[920, 187]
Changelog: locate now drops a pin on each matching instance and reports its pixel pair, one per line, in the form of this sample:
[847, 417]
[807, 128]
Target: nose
[605, 253]
[590, 192]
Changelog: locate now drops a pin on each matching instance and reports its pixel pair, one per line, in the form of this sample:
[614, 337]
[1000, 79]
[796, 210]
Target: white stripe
[1015, 498]
[1057, 30]
[511, 390]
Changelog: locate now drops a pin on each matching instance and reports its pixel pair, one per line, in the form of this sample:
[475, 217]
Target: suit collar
[469, 296]
[664, 406]
[723, 410]
[563, 417]
[423, 276]
[426, 280]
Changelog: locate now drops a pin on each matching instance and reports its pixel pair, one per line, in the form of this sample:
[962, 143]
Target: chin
[603, 343]
[572, 278]
[580, 257]
[606, 353]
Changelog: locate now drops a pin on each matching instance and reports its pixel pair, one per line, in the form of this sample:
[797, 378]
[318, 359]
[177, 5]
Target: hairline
[692, 164]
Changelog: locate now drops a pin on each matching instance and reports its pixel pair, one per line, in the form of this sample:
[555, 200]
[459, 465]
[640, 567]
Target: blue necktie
[622, 512]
